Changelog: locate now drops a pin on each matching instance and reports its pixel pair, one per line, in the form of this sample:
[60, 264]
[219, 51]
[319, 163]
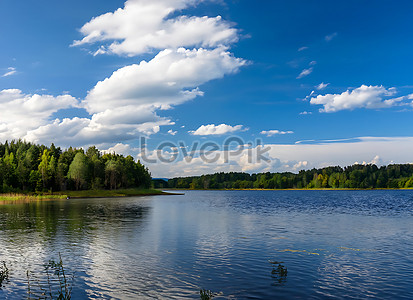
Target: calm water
[334, 244]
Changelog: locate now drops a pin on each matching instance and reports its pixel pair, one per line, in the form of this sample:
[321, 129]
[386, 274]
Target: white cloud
[329, 37]
[213, 129]
[170, 78]
[126, 104]
[321, 86]
[11, 71]
[370, 97]
[309, 96]
[83, 132]
[292, 158]
[301, 165]
[305, 73]
[21, 113]
[275, 132]
[410, 97]
[306, 113]
[344, 153]
[312, 63]
[375, 161]
[143, 25]
[171, 132]
[123, 149]
[302, 48]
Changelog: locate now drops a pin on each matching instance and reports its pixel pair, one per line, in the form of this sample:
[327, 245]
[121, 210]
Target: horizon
[319, 84]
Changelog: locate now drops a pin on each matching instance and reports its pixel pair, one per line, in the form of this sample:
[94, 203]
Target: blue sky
[334, 74]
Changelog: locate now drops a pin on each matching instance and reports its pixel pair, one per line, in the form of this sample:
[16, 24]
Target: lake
[238, 244]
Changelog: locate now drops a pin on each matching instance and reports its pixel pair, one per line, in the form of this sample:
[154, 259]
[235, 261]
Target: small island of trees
[27, 167]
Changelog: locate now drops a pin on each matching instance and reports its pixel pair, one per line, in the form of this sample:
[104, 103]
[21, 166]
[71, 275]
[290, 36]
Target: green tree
[112, 173]
[43, 168]
[9, 172]
[78, 170]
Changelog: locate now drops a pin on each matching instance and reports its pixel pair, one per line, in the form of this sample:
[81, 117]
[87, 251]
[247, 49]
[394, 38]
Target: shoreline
[87, 194]
[84, 194]
[320, 189]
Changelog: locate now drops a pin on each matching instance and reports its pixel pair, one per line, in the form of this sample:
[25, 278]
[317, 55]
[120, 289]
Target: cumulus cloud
[275, 132]
[123, 149]
[11, 71]
[305, 73]
[21, 113]
[124, 105]
[370, 97]
[143, 25]
[213, 129]
[127, 104]
[306, 113]
[170, 78]
[301, 165]
[83, 131]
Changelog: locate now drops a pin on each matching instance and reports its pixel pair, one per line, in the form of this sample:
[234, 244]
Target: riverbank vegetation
[29, 197]
[9, 197]
[111, 193]
[352, 177]
[30, 169]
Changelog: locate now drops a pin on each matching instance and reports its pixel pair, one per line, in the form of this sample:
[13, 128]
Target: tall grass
[16, 196]
[80, 194]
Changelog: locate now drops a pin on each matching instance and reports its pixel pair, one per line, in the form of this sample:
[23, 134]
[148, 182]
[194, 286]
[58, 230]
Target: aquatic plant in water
[279, 272]
[4, 274]
[206, 294]
[57, 285]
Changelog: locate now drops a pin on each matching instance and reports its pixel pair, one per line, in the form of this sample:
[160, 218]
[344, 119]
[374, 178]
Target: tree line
[27, 167]
[367, 176]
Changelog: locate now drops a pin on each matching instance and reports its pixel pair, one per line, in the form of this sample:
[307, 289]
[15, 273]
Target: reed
[4, 274]
[17, 196]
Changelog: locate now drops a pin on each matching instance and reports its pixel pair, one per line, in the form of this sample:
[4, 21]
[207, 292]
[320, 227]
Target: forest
[27, 167]
[367, 176]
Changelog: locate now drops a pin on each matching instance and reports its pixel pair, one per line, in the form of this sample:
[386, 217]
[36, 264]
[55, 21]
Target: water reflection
[32, 233]
[338, 244]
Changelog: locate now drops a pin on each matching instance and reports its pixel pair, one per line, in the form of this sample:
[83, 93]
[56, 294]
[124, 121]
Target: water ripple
[334, 244]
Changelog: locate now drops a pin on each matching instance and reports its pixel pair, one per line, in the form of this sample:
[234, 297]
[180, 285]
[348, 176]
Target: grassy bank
[17, 197]
[81, 194]
[110, 193]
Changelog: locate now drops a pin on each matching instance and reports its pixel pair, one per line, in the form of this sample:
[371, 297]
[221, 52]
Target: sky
[191, 87]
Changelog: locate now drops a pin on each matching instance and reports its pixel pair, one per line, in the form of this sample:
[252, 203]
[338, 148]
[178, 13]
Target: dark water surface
[334, 244]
